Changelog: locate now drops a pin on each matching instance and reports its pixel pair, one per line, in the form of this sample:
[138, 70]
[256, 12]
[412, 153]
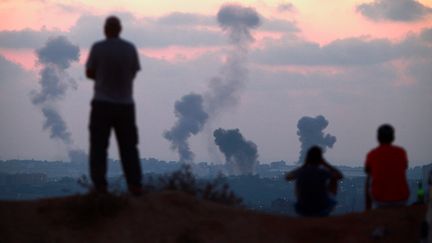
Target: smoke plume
[236, 21]
[191, 118]
[310, 132]
[240, 155]
[55, 57]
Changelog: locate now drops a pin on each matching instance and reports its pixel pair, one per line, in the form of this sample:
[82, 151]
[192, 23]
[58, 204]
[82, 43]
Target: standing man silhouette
[113, 64]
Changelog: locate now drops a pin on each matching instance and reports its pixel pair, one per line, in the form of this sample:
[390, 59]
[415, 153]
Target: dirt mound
[177, 217]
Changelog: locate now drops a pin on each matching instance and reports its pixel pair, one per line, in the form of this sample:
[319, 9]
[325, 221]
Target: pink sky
[321, 24]
[288, 73]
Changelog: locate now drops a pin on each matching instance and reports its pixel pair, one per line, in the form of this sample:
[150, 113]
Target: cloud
[174, 29]
[426, 35]
[352, 51]
[279, 25]
[10, 72]
[359, 51]
[394, 10]
[286, 7]
[26, 38]
[179, 18]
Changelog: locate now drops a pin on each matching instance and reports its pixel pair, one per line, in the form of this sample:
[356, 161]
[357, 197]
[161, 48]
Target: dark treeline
[265, 190]
[58, 169]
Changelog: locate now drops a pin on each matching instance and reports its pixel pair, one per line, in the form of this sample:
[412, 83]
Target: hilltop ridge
[178, 217]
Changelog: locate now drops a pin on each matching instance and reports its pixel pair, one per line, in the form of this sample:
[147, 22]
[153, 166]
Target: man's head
[385, 134]
[314, 156]
[112, 27]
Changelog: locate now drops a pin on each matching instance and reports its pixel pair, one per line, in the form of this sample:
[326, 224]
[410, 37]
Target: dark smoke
[191, 118]
[236, 21]
[310, 132]
[77, 155]
[240, 155]
[55, 57]
[56, 125]
[52, 87]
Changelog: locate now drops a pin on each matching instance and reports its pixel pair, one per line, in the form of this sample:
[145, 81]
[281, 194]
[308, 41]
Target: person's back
[115, 64]
[316, 185]
[387, 165]
[386, 168]
[112, 64]
[312, 190]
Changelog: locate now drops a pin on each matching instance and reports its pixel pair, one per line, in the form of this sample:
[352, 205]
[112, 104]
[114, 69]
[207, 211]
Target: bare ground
[176, 217]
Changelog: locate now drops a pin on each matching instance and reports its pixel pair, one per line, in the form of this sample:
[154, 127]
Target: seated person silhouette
[385, 167]
[316, 185]
[113, 64]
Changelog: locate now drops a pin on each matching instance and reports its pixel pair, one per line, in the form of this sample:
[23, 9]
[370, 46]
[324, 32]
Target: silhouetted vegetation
[266, 191]
[216, 190]
[91, 207]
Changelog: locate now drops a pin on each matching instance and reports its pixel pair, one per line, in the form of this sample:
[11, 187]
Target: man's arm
[292, 175]
[91, 74]
[136, 63]
[336, 174]
[368, 198]
[91, 63]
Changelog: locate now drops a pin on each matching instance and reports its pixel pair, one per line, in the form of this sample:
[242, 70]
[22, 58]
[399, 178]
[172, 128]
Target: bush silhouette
[216, 190]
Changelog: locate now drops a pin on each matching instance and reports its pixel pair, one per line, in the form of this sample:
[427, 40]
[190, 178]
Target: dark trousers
[105, 116]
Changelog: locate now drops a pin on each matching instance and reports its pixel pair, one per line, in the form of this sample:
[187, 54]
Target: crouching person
[316, 185]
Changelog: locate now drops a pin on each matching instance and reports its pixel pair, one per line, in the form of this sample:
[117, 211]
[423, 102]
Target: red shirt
[387, 165]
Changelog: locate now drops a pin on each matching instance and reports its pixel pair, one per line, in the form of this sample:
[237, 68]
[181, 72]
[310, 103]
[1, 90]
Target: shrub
[216, 190]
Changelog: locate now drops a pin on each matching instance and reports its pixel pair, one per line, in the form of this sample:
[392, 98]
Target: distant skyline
[357, 63]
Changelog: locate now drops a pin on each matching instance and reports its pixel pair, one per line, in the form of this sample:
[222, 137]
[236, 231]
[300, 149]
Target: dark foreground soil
[176, 217]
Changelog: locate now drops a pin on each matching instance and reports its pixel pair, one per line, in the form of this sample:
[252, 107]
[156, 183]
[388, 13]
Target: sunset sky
[358, 63]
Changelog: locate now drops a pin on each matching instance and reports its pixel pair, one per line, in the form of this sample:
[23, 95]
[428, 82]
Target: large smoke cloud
[191, 119]
[236, 21]
[240, 155]
[310, 132]
[55, 57]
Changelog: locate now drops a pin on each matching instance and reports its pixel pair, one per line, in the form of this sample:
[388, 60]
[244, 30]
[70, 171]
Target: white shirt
[115, 63]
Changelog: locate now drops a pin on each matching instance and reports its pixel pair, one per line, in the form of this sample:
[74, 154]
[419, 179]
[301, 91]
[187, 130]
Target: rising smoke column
[55, 57]
[240, 155]
[310, 132]
[191, 118]
[236, 21]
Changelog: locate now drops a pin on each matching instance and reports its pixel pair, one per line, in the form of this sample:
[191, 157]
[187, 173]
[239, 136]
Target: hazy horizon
[359, 64]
